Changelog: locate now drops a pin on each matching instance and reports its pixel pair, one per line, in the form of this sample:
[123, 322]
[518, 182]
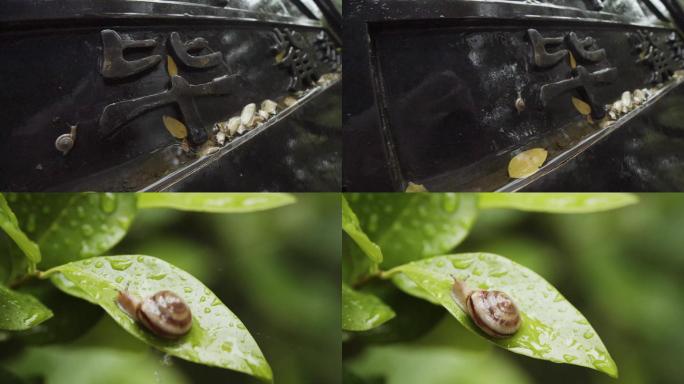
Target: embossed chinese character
[114, 65]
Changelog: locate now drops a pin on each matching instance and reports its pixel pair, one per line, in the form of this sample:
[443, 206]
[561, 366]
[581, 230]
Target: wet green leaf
[73, 226]
[72, 317]
[412, 226]
[10, 224]
[552, 329]
[72, 364]
[557, 202]
[217, 337]
[350, 224]
[411, 364]
[19, 311]
[362, 311]
[215, 202]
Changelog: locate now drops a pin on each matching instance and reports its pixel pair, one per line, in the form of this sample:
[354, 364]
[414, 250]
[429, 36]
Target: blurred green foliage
[277, 270]
[622, 269]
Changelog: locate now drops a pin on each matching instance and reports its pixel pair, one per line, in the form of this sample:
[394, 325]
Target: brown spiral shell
[165, 314]
[494, 312]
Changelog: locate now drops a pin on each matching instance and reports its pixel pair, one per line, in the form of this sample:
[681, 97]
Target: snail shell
[493, 311]
[165, 314]
[65, 142]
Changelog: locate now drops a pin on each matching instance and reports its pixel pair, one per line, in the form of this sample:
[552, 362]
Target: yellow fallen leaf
[581, 106]
[412, 187]
[171, 66]
[573, 63]
[280, 56]
[175, 127]
[526, 163]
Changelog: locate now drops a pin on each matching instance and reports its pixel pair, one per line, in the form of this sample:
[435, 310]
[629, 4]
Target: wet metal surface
[442, 94]
[57, 77]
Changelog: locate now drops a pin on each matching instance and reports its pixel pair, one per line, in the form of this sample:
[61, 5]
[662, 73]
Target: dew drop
[569, 358]
[119, 279]
[120, 265]
[99, 264]
[588, 334]
[87, 229]
[157, 276]
[187, 289]
[227, 347]
[108, 202]
[461, 263]
[207, 310]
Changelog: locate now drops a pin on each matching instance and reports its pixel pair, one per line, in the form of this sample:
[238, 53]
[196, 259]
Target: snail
[165, 314]
[519, 103]
[493, 311]
[65, 142]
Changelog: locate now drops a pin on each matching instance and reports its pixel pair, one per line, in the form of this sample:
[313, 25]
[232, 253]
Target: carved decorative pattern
[327, 52]
[116, 115]
[662, 53]
[114, 65]
[298, 56]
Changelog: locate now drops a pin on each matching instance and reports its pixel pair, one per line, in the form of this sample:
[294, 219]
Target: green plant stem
[27, 277]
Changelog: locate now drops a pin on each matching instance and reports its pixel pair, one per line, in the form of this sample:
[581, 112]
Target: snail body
[494, 312]
[165, 314]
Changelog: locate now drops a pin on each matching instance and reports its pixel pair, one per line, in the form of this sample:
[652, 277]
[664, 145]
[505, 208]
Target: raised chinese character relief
[550, 51]
[305, 62]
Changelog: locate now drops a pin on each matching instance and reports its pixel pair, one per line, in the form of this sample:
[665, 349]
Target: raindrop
[87, 230]
[207, 310]
[99, 264]
[187, 289]
[120, 265]
[569, 358]
[227, 347]
[108, 202]
[157, 276]
[119, 279]
[461, 263]
[588, 334]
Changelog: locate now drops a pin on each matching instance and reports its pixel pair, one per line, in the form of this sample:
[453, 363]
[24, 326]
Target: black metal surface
[432, 89]
[645, 155]
[105, 68]
[299, 153]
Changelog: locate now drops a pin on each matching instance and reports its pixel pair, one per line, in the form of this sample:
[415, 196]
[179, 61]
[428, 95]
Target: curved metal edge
[168, 181]
[560, 160]
[18, 13]
[392, 11]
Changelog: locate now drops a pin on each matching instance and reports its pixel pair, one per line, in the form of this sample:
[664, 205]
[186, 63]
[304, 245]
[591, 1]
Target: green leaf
[362, 311]
[215, 202]
[19, 311]
[557, 202]
[69, 364]
[217, 337]
[552, 329]
[10, 224]
[412, 226]
[350, 224]
[73, 226]
[411, 364]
